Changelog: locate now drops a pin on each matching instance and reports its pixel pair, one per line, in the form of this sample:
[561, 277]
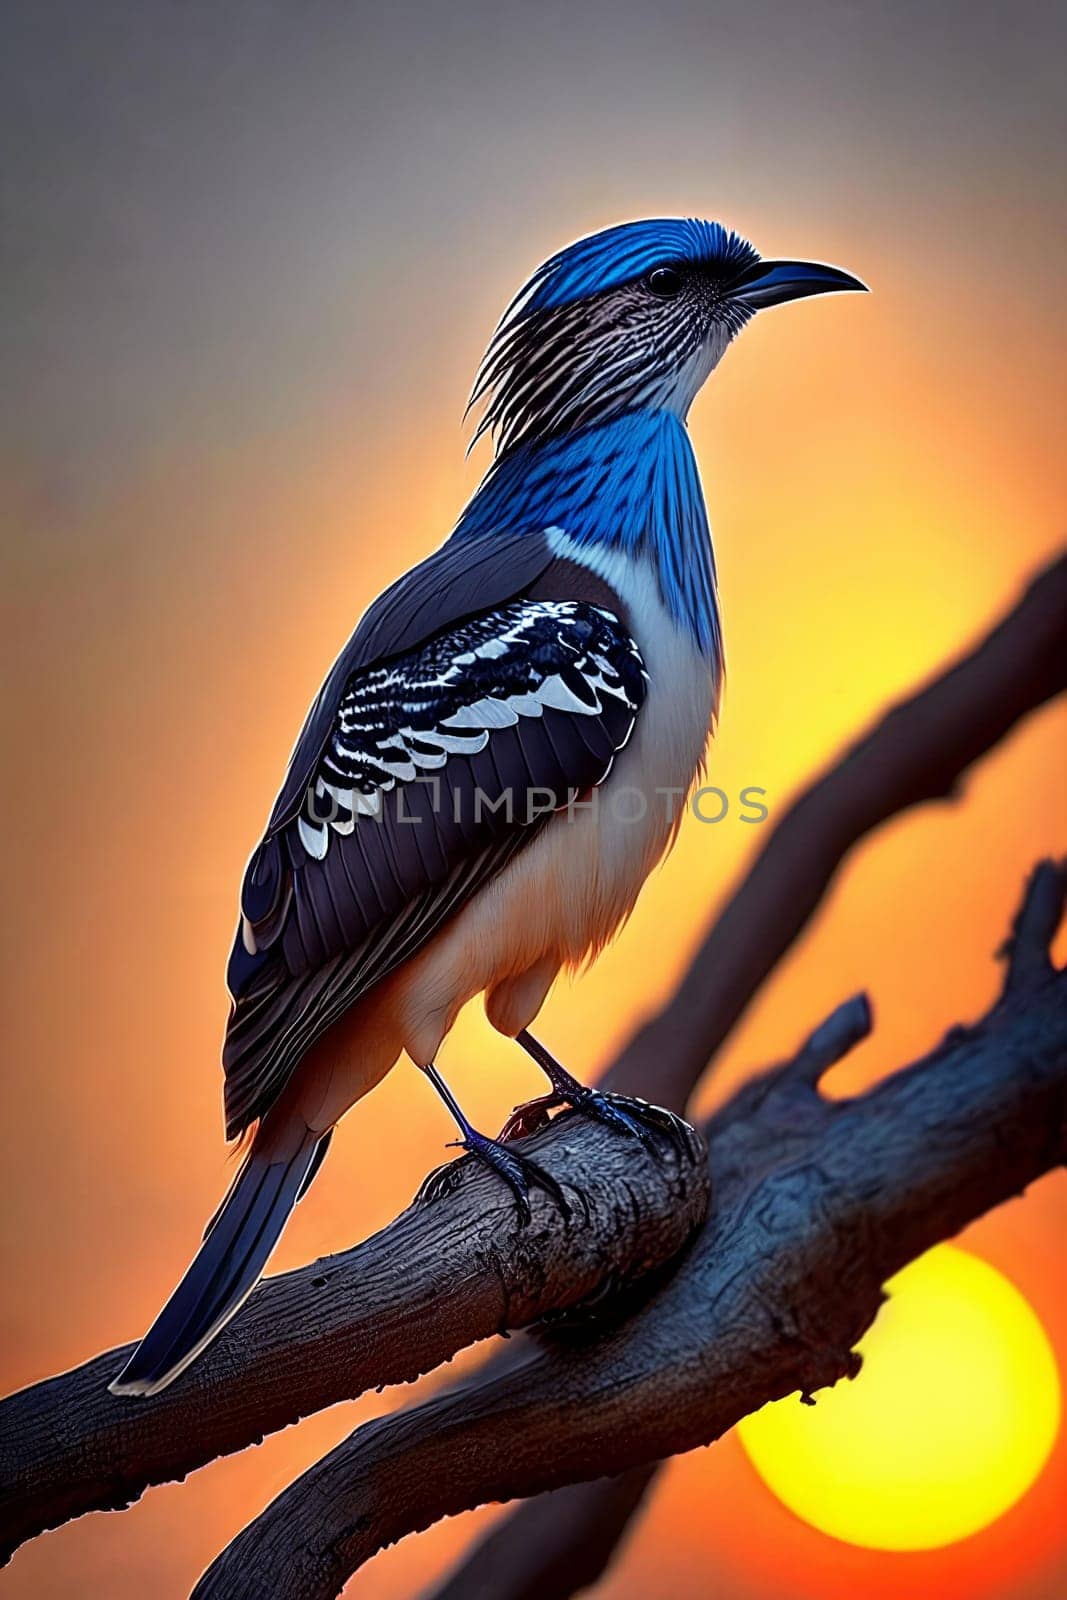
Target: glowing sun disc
[947, 1425]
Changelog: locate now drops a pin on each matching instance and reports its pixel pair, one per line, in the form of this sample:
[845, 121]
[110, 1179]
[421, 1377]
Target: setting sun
[948, 1424]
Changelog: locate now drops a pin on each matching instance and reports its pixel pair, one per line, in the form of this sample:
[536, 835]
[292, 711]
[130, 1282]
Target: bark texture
[352, 1322]
[817, 1203]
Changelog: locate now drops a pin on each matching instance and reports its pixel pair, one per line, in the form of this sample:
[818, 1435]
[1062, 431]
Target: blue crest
[625, 253]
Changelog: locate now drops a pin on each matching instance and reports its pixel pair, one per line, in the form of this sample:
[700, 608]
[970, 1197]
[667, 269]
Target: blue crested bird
[444, 827]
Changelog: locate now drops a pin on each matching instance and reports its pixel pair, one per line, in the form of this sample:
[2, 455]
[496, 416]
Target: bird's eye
[665, 282]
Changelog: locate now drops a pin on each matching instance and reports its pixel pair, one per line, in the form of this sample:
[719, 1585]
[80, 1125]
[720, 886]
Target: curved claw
[609, 1109]
[443, 1180]
[541, 1179]
[518, 1172]
[637, 1117]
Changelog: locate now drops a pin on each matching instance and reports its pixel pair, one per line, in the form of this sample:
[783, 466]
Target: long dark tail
[237, 1243]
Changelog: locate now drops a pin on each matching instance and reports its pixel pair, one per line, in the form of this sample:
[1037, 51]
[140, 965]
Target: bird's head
[634, 317]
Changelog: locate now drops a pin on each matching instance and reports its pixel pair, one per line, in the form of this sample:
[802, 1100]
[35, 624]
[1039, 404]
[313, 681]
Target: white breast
[641, 803]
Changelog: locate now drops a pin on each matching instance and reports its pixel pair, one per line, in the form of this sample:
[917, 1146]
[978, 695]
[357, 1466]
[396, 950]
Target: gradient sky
[252, 254]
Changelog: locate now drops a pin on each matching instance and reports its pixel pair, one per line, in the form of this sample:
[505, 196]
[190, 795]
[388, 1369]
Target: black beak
[772, 283]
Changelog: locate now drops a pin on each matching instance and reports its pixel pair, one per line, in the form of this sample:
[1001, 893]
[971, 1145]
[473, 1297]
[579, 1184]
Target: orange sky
[245, 366]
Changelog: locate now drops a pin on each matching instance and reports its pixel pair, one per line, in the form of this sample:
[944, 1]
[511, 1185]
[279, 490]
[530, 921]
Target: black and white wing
[438, 764]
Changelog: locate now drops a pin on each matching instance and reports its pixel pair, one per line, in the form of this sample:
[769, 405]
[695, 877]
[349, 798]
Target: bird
[450, 823]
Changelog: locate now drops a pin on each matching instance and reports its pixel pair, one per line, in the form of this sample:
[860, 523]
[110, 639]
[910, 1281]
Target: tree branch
[560, 1543]
[351, 1322]
[817, 1204]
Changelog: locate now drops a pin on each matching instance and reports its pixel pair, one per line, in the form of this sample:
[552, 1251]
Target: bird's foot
[518, 1172]
[630, 1115]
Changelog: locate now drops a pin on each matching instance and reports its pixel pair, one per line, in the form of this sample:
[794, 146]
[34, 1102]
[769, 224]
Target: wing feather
[461, 578]
[419, 792]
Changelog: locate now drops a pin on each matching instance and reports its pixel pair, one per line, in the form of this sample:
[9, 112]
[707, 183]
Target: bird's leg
[625, 1112]
[518, 1171]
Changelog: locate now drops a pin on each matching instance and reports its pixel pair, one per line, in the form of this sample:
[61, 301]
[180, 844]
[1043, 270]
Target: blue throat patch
[630, 485]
